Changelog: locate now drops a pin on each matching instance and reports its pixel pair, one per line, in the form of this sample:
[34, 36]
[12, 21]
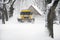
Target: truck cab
[26, 15]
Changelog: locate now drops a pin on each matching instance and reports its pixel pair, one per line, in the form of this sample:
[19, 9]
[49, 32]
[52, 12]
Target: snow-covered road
[14, 30]
[24, 31]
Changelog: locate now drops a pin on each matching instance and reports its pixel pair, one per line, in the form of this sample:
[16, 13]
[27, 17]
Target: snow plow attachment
[28, 20]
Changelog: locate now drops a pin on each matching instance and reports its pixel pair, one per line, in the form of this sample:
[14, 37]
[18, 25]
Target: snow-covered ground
[13, 30]
[57, 31]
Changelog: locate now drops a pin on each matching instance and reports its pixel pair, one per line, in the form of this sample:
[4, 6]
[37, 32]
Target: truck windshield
[26, 13]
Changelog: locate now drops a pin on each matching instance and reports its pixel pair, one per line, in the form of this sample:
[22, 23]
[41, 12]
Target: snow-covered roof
[38, 9]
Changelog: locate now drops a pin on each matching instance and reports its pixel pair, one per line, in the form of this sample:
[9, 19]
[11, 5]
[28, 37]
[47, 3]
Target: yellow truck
[26, 15]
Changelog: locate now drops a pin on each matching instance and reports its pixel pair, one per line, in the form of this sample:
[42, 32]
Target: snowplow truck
[26, 15]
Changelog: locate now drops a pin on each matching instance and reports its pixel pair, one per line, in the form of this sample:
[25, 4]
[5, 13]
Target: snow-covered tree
[51, 16]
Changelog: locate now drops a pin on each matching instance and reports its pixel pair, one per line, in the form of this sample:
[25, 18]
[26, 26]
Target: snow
[57, 31]
[14, 30]
[23, 32]
[50, 4]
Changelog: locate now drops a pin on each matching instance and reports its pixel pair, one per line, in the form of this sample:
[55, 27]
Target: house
[35, 10]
